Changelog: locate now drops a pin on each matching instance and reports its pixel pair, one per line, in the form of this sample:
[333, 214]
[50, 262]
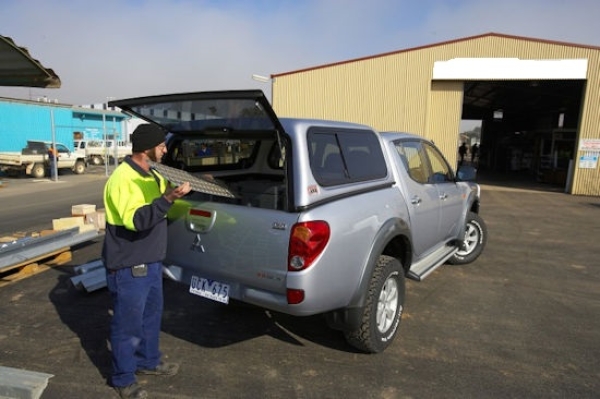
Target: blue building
[22, 120]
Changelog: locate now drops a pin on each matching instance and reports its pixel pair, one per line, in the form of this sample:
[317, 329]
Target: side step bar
[427, 265]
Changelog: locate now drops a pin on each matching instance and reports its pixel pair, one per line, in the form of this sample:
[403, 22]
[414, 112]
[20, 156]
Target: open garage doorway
[470, 138]
[528, 129]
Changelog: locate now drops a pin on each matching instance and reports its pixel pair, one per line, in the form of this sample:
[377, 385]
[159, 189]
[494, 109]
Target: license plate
[210, 289]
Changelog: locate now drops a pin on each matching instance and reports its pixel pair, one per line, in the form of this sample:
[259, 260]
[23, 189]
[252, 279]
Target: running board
[427, 265]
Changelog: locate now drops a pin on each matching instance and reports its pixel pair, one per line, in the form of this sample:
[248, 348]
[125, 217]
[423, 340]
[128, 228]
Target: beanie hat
[146, 136]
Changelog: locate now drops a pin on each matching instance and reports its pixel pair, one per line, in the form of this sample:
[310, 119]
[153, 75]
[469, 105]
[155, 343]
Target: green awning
[18, 68]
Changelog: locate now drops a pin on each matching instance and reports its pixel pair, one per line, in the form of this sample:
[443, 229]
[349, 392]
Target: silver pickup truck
[321, 217]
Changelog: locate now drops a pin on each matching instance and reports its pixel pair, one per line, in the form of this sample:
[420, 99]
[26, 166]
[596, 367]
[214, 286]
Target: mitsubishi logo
[197, 245]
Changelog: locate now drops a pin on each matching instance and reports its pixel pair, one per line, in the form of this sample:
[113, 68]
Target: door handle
[443, 196]
[416, 200]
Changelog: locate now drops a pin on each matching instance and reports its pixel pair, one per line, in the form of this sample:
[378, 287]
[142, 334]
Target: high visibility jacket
[136, 224]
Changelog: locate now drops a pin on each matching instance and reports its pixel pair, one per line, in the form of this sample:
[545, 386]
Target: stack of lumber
[24, 254]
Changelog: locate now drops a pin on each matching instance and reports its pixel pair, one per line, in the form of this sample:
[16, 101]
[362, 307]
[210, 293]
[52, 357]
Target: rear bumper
[267, 299]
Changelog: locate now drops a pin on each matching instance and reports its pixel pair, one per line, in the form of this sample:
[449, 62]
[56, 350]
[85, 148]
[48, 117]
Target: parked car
[98, 152]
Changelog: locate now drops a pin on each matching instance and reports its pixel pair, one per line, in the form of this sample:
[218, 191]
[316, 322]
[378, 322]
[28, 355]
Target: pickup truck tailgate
[241, 246]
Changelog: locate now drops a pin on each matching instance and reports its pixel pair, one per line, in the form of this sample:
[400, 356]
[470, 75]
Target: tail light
[307, 241]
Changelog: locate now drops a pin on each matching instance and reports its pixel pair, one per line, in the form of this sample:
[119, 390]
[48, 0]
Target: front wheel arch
[474, 241]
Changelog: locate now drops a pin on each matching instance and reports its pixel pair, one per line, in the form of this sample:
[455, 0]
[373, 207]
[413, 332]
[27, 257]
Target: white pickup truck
[319, 217]
[33, 160]
[97, 152]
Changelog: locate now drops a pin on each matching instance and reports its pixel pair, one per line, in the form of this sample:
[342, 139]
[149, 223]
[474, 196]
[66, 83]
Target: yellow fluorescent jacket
[136, 224]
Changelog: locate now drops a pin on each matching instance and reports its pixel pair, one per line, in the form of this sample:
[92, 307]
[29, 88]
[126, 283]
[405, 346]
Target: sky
[113, 49]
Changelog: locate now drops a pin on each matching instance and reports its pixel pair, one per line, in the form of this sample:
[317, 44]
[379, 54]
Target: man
[52, 158]
[474, 151]
[137, 199]
[462, 151]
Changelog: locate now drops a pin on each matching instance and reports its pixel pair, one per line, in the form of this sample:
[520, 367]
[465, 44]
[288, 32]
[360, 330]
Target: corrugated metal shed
[397, 91]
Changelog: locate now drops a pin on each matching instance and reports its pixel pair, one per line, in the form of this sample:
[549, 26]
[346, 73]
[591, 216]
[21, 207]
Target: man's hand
[173, 193]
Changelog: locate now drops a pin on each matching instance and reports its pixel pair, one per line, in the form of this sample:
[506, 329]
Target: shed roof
[19, 68]
[490, 34]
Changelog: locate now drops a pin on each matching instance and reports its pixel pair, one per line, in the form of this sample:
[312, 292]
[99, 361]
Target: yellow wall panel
[444, 117]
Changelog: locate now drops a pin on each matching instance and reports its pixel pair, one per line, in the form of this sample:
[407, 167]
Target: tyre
[383, 308]
[95, 160]
[38, 171]
[474, 242]
[79, 167]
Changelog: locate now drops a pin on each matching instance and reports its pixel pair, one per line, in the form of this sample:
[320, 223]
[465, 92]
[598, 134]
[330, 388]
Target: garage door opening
[528, 129]
[470, 135]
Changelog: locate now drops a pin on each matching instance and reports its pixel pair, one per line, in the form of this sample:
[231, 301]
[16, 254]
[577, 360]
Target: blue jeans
[52, 168]
[136, 321]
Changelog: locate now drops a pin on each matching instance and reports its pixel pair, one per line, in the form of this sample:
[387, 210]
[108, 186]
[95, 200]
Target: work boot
[164, 369]
[133, 391]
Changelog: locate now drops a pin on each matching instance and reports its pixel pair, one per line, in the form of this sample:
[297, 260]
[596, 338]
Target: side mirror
[466, 173]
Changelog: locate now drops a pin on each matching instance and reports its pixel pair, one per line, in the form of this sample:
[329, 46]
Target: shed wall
[21, 121]
[444, 117]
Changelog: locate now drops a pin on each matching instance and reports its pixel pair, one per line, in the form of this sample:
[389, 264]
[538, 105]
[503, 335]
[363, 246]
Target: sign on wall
[589, 145]
[588, 161]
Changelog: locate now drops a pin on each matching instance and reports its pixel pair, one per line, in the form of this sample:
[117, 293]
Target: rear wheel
[38, 171]
[96, 160]
[383, 309]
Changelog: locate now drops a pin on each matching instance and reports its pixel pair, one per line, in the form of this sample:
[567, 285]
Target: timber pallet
[34, 266]
[32, 254]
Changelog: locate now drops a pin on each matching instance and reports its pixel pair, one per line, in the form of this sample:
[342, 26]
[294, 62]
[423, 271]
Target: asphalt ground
[520, 322]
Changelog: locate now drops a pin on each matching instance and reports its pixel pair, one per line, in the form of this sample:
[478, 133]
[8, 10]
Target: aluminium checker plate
[203, 185]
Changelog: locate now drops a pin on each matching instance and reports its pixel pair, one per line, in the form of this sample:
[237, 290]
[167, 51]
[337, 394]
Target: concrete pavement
[520, 322]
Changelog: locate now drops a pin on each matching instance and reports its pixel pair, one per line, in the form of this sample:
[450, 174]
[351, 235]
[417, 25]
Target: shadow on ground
[193, 319]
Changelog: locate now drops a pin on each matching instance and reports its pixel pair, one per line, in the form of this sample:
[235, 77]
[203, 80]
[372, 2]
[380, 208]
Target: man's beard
[152, 155]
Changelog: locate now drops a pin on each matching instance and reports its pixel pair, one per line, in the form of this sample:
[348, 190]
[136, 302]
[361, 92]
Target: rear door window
[340, 156]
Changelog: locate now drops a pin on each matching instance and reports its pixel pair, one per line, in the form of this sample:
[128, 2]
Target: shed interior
[529, 128]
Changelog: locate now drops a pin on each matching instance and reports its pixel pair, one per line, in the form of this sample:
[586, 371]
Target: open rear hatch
[222, 112]
[227, 116]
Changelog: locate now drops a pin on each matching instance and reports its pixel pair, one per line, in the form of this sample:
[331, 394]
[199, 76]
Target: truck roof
[391, 136]
[291, 124]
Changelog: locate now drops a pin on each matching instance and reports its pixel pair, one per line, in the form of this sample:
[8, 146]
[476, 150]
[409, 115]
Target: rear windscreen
[207, 114]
